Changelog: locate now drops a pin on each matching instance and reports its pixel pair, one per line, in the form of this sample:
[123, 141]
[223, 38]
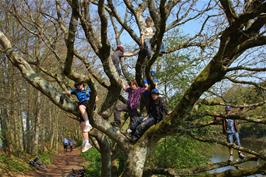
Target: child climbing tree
[86, 28]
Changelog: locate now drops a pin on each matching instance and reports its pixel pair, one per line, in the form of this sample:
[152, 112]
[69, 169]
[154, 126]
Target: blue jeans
[143, 126]
[233, 137]
[135, 123]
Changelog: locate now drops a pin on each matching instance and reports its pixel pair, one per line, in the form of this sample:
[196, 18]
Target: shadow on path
[62, 165]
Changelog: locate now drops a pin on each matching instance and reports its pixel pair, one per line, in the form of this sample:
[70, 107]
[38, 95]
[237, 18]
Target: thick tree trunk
[103, 146]
[106, 170]
[136, 161]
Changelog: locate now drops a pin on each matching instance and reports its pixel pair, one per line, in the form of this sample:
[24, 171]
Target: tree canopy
[209, 45]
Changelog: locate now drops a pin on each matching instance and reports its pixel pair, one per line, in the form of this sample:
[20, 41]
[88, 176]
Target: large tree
[89, 29]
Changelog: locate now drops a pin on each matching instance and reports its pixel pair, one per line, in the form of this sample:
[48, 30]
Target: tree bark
[106, 169]
[136, 161]
[37, 122]
[4, 129]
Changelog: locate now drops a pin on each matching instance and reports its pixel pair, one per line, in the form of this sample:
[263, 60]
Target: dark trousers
[144, 103]
[148, 47]
[65, 147]
[133, 114]
[117, 65]
[142, 126]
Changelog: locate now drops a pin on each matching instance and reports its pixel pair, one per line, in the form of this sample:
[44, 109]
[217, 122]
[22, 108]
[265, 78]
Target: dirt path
[62, 165]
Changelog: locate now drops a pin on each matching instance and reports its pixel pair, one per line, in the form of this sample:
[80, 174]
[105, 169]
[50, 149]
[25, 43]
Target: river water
[221, 154]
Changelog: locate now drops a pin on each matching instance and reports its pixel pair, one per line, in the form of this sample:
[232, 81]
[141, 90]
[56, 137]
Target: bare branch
[246, 68]
[35, 79]
[58, 80]
[93, 72]
[211, 140]
[135, 12]
[89, 31]
[59, 18]
[229, 10]
[215, 103]
[125, 26]
[71, 40]
[246, 82]
[254, 41]
[104, 23]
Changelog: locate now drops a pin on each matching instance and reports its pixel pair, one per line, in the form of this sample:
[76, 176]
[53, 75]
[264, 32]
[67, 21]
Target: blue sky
[189, 28]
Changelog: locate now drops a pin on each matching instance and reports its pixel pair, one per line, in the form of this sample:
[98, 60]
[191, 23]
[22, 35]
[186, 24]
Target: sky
[189, 29]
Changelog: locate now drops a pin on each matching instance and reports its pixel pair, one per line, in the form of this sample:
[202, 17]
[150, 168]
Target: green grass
[13, 164]
[20, 164]
[94, 167]
[46, 157]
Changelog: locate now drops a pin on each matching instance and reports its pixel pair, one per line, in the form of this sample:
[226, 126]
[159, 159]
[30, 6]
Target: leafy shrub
[178, 152]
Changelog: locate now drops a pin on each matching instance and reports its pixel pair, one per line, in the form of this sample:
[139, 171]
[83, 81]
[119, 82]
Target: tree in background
[82, 50]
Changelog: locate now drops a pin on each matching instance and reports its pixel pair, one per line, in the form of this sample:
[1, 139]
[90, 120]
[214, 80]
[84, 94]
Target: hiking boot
[86, 146]
[88, 127]
[231, 158]
[241, 155]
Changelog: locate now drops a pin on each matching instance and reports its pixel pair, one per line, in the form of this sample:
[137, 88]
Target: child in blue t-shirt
[83, 95]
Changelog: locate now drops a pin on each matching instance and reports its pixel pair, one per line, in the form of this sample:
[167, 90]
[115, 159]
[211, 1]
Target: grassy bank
[12, 164]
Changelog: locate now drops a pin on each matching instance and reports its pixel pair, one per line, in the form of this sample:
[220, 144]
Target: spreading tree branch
[229, 10]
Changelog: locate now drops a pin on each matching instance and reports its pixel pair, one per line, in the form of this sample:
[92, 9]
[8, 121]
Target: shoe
[129, 131]
[241, 155]
[231, 158]
[86, 146]
[88, 127]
